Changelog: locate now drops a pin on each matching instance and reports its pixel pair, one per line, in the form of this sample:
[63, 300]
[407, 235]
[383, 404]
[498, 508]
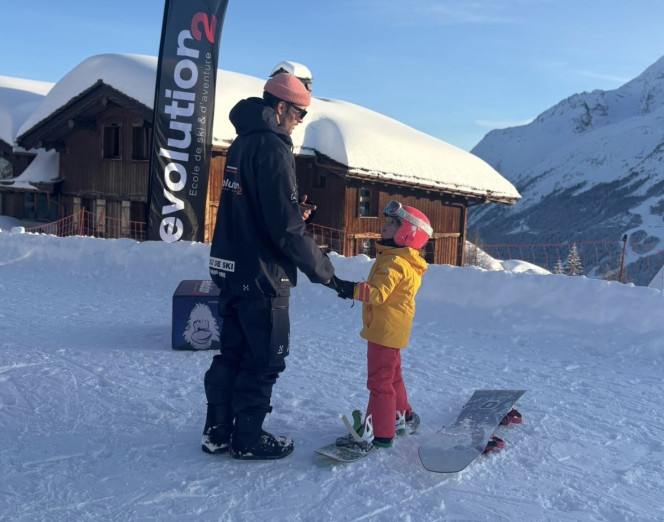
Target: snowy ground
[101, 420]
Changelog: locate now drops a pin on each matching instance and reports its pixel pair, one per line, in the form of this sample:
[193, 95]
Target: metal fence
[85, 223]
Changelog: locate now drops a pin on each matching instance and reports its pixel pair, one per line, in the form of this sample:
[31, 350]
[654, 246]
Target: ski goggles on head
[393, 209]
[396, 210]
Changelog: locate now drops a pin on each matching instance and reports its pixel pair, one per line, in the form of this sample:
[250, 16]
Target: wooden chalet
[103, 136]
[103, 139]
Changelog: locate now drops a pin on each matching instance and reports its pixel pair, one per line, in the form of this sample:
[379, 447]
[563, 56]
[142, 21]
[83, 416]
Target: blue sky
[454, 69]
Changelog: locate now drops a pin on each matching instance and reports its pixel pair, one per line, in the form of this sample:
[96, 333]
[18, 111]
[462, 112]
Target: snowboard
[352, 454]
[456, 446]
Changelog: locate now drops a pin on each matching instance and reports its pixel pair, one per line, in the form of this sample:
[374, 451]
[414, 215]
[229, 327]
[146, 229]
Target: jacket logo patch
[233, 186]
[222, 264]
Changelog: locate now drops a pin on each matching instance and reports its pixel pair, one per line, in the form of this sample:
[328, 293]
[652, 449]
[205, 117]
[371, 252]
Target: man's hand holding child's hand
[344, 289]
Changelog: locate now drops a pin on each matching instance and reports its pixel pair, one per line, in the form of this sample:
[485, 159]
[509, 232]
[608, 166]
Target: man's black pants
[255, 337]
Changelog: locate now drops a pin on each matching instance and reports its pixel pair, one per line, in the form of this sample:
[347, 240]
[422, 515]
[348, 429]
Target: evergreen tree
[559, 268]
[574, 265]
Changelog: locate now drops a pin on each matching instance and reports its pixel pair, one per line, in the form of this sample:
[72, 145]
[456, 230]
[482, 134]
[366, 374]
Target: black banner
[183, 116]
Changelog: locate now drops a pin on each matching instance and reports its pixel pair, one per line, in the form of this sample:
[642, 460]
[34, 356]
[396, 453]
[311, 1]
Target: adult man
[259, 243]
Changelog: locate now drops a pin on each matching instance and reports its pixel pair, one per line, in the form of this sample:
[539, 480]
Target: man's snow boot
[217, 430]
[266, 447]
[216, 439]
[250, 442]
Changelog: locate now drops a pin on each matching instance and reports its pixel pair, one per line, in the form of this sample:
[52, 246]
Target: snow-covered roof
[18, 100]
[42, 169]
[368, 143]
[132, 74]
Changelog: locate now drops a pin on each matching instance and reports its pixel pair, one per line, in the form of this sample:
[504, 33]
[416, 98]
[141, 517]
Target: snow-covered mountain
[590, 168]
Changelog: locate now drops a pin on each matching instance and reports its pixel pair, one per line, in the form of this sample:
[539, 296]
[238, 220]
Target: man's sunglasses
[301, 113]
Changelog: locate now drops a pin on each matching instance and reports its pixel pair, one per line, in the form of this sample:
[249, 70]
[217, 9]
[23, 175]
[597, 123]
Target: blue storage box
[196, 321]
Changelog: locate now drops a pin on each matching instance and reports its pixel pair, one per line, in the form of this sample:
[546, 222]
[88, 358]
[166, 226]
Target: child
[387, 316]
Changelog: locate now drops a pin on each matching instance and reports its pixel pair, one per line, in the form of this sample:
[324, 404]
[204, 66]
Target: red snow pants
[387, 392]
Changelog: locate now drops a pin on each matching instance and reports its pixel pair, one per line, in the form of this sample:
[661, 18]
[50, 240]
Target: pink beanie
[288, 88]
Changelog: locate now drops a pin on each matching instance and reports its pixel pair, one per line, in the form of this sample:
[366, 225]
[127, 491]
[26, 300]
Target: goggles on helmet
[395, 209]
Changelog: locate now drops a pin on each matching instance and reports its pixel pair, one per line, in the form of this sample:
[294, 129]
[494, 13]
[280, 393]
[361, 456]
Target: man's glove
[344, 289]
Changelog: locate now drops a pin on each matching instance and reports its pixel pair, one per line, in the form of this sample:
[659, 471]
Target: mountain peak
[588, 168]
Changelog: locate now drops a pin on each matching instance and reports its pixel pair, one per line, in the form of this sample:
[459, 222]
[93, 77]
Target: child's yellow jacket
[389, 295]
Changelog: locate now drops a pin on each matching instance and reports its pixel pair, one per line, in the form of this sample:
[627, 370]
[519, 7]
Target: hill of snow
[589, 168]
[101, 419]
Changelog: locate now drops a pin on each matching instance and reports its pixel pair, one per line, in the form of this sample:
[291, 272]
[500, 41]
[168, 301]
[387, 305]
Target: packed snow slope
[101, 419]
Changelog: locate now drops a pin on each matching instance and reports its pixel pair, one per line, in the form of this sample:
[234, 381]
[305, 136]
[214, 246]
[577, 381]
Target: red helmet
[415, 229]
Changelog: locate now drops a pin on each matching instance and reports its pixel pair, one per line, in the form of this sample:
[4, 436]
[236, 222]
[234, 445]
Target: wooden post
[126, 219]
[77, 217]
[100, 216]
[622, 260]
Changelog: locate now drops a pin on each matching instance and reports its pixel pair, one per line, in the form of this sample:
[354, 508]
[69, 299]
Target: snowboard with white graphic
[456, 446]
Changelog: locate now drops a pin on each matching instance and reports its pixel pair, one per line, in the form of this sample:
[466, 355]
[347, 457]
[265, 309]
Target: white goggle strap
[419, 223]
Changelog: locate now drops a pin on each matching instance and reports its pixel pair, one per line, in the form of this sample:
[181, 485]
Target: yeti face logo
[202, 328]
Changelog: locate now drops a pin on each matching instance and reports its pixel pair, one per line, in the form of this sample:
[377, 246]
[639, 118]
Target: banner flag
[183, 117]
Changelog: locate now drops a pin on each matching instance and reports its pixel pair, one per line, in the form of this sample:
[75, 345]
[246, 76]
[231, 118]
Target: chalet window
[112, 142]
[140, 143]
[367, 204]
[29, 206]
[320, 180]
[46, 210]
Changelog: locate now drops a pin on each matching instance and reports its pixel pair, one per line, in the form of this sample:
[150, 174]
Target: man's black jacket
[259, 238]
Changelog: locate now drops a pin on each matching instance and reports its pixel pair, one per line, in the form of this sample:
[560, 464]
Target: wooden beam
[59, 146]
[80, 124]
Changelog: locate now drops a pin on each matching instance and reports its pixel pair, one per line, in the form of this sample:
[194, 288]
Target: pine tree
[574, 265]
[559, 268]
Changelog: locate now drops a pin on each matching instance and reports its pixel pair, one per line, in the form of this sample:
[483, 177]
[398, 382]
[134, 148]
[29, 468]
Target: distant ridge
[589, 168]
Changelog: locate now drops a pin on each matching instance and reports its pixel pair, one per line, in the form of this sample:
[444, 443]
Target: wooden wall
[447, 215]
[87, 174]
[325, 188]
[337, 200]
[215, 180]
[12, 204]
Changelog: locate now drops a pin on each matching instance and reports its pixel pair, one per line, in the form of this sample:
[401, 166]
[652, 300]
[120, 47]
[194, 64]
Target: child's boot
[406, 423]
[364, 430]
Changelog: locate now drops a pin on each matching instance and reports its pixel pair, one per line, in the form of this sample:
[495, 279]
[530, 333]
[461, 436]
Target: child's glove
[344, 289]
